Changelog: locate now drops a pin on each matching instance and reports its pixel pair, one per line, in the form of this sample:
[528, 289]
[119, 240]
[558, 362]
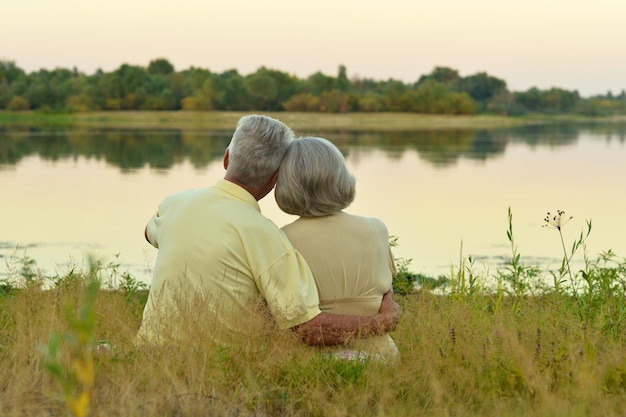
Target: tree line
[160, 87]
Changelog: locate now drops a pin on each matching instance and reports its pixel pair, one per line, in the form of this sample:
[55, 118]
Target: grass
[298, 121]
[521, 347]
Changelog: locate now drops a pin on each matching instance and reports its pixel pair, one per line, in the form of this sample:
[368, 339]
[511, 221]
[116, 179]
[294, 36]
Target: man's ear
[274, 179]
[226, 159]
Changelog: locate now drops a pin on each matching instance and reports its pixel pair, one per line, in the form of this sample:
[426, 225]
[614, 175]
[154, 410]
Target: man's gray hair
[313, 180]
[257, 149]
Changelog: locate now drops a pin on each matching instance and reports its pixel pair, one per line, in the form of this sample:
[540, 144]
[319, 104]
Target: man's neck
[257, 192]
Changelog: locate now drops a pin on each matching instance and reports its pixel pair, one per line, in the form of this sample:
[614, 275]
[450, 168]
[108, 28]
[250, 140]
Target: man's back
[216, 248]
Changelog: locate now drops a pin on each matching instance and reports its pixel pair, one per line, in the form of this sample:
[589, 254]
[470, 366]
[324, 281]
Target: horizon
[555, 44]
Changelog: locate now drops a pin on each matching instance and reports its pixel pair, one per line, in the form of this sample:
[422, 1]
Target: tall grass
[507, 345]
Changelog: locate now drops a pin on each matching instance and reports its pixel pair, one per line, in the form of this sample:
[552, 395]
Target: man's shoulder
[182, 197]
[184, 194]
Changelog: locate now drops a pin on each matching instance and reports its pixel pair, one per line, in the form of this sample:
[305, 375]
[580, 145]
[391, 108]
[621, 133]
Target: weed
[406, 282]
[69, 354]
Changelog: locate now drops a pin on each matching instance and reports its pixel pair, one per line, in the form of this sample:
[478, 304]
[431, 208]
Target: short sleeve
[153, 227]
[289, 288]
[392, 263]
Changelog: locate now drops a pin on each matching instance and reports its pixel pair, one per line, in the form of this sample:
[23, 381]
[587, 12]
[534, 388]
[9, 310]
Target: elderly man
[218, 253]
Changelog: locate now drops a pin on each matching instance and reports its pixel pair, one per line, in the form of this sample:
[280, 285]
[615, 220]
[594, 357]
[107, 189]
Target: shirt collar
[237, 192]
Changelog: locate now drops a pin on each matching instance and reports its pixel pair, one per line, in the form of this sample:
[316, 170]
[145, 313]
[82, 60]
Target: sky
[569, 44]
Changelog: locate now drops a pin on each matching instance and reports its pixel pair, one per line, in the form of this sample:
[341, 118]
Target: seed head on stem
[557, 220]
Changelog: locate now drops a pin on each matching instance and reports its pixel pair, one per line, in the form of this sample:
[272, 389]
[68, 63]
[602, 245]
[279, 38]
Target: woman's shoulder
[364, 221]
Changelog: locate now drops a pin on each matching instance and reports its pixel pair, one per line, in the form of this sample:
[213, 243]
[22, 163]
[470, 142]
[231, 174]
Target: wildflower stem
[569, 270]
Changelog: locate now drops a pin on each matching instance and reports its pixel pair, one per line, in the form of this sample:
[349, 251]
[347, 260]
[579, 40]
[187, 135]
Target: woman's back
[350, 259]
[352, 264]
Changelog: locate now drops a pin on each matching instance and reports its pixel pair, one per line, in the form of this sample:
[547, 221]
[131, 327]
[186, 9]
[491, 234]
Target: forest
[160, 87]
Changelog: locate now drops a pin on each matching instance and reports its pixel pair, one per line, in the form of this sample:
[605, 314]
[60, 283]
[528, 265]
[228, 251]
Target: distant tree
[318, 83]
[334, 101]
[553, 100]
[236, 95]
[160, 66]
[17, 103]
[263, 89]
[481, 86]
[177, 85]
[342, 83]
[38, 92]
[191, 104]
[207, 97]
[270, 88]
[429, 97]
[442, 75]
[193, 79]
[126, 88]
[395, 98]
[593, 107]
[530, 99]
[165, 100]
[80, 103]
[505, 105]
[370, 103]
[113, 104]
[557, 99]
[459, 104]
[366, 85]
[287, 85]
[306, 102]
[9, 72]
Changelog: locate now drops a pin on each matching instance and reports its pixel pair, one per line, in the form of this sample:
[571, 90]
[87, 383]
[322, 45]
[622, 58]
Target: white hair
[257, 149]
[313, 180]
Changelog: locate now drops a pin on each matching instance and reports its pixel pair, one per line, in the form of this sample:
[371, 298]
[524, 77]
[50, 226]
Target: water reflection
[162, 149]
[126, 149]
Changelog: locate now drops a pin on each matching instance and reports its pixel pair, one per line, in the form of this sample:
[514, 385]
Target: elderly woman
[349, 255]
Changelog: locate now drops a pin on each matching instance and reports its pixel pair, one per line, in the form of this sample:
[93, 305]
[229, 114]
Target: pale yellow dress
[353, 266]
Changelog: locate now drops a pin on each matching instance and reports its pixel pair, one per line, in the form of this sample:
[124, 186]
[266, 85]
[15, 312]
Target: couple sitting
[327, 276]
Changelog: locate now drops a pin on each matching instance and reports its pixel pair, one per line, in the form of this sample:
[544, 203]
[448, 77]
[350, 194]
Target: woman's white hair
[313, 180]
[257, 149]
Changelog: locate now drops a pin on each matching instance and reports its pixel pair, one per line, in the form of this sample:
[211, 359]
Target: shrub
[18, 103]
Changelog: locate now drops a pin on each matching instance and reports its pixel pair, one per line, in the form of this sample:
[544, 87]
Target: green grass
[514, 344]
[298, 121]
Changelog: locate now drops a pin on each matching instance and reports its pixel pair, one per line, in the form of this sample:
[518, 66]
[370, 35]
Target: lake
[443, 194]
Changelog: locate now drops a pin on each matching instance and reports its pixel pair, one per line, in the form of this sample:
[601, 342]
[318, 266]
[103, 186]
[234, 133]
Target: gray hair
[257, 149]
[313, 180]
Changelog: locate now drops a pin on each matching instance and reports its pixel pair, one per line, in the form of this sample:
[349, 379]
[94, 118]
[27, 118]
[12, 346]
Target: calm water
[443, 194]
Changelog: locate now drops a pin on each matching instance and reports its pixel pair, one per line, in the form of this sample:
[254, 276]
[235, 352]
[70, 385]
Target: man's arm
[335, 329]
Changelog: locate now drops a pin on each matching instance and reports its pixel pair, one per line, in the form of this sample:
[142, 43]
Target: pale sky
[571, 44]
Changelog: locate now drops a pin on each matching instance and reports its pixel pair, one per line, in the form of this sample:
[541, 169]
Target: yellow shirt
[216, 250]
[352, 264]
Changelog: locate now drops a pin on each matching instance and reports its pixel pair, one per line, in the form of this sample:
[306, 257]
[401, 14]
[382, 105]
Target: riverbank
[299, 121]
